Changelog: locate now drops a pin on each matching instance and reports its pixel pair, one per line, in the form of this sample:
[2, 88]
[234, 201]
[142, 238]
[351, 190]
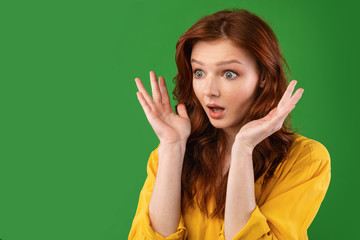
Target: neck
[229, 135]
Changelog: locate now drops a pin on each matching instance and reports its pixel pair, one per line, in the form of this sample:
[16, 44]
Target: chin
[218, 123]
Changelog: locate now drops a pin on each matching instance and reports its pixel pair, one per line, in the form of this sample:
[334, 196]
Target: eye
[198, 73]
[230, 74]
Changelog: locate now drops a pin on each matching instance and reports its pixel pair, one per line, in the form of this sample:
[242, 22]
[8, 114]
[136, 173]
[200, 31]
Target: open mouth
[216, 109]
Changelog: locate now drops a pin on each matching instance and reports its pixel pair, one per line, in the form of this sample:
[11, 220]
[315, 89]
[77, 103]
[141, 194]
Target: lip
[213, 105]
[215, 115]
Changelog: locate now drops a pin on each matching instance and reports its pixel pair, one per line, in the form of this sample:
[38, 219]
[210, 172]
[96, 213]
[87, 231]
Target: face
[225, 75]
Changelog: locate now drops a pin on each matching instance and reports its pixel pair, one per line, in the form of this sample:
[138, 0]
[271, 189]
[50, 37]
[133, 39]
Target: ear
[262, 83]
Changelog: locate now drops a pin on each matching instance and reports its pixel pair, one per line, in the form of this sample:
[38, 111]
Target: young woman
[228, 166]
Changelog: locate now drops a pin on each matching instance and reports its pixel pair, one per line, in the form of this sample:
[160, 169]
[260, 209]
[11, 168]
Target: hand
[256, 131]
[169, 127]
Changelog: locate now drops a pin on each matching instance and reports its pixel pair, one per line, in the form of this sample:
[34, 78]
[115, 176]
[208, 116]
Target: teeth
[217, 109]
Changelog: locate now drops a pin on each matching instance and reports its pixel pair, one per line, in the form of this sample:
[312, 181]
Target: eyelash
[194, 72]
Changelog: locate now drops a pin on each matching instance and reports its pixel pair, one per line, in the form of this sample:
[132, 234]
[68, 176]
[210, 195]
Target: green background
[74, 140]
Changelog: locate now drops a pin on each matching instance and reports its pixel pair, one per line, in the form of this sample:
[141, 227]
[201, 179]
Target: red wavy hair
[204, 159]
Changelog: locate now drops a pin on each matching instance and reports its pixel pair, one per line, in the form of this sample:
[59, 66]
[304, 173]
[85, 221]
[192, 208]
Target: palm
[168, 126]
[255, 131]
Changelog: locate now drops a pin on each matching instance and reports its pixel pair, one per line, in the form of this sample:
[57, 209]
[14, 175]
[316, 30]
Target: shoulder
[305, 154]
[303, 147]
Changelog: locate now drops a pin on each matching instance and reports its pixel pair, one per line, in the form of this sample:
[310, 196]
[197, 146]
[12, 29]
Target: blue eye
[229, 74]
[197, 73]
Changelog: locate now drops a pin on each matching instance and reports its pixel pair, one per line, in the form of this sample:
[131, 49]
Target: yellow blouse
[284, 210]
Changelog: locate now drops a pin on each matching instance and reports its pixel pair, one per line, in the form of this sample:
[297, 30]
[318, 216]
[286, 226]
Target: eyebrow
[221, 63]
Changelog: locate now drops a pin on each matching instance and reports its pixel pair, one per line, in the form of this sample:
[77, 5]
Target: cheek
[239, 98]
[197, 89]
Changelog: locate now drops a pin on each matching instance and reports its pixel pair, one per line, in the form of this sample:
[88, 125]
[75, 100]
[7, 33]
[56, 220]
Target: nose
[211, 88]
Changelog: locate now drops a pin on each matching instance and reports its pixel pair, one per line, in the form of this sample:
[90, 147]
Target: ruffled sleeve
[294, 200]
[141, 226]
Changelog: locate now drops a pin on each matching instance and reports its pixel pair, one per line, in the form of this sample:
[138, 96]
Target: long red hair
[204, 160]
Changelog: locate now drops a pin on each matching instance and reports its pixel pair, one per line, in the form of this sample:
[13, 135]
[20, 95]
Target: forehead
[219, 50]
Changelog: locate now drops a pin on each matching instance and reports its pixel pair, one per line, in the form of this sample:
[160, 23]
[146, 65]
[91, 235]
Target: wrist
[242, 146]
[173, 145]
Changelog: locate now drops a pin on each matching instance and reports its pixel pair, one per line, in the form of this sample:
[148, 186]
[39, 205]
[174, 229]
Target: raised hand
[168, 126]
[255, 131]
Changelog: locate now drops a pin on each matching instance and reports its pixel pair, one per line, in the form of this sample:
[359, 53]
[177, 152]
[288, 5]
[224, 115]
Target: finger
[164, 92]
[290, 105]
[297, 95]
[286, 113]
[182, 111]
[271, 114]
[287, 93]
[143, 103]
[143, 91]
[155, 87]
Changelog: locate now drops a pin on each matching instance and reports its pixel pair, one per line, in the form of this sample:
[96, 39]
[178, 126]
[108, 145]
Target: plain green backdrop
[74, 140]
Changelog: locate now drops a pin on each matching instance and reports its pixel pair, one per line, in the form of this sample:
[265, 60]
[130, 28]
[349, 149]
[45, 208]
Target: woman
[228, 166]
